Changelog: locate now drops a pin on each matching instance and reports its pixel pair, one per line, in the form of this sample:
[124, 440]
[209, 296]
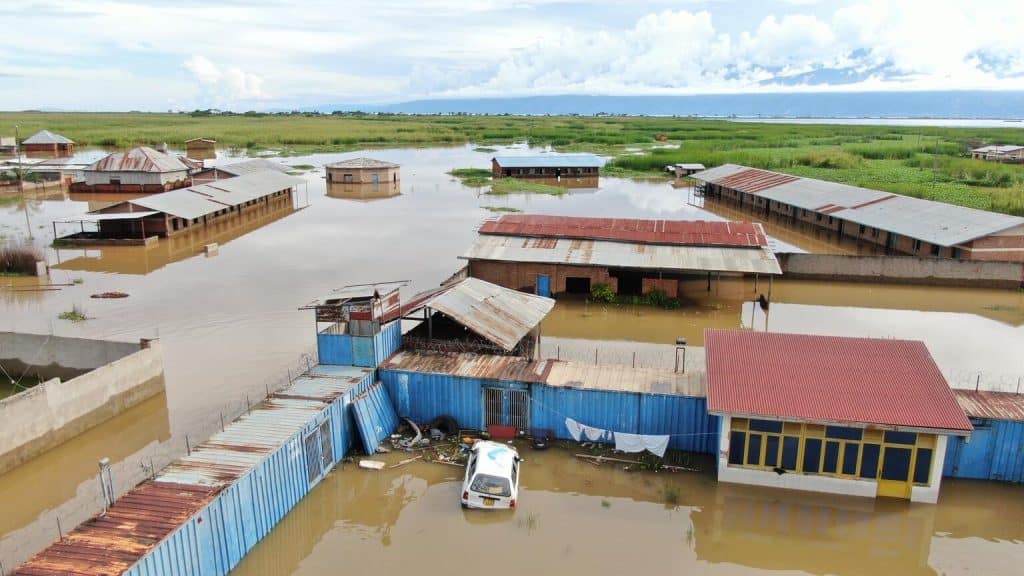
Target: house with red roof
[855, 416]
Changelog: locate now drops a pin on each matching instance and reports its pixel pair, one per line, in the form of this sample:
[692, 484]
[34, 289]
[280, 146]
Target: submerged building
[362, 171]
[46, 143]
[234, 169]
[552, 166]
[563, 254]
[999, 153]
[201, 148]
[171, 213]
[139, 170]
[900, 224]
[854, 416]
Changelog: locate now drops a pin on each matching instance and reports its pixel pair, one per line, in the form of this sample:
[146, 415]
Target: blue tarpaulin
[375, 416]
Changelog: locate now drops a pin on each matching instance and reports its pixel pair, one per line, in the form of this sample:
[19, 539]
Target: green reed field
[925, 162]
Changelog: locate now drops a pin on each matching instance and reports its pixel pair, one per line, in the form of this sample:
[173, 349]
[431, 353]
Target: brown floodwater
[230, 328]
[575, 518]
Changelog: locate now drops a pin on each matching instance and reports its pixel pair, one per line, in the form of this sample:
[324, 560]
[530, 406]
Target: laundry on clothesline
[624, 442]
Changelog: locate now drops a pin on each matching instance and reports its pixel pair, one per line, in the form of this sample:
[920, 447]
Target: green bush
[602, 293]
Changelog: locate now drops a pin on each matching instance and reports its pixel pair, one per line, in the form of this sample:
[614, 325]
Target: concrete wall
[362, 175]
[903, 269]
[51, 413]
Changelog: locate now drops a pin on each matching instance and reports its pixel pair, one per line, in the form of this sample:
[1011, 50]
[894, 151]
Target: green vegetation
[671, 495]
[603, 293]
[73, 315]
[502, 209]
[9, 199]
[472, 177]
[605, 503]
[503, 186]
[19, 260]
[304, 167]
[927, 162]
[484, 149]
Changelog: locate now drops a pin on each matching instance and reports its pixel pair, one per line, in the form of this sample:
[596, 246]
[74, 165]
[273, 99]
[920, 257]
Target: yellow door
[894, 477]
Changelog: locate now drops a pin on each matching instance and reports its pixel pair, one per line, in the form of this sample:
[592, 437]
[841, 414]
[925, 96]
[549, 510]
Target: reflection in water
[576, 518]
[229, 324]
[55, 476]
[145, 259]
[366, 192]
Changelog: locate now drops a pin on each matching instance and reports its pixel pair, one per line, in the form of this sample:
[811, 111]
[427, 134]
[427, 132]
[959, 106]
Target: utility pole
[21, 183]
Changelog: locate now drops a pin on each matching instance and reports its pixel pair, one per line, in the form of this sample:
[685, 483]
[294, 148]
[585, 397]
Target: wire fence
[633, 354]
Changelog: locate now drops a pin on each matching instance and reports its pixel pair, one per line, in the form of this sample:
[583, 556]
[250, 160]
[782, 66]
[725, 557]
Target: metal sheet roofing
[102, 217]
[109, 544]
[999, 148]
[623, 255]
[139, 159]
[204, 199]
[830, 379]
[360, 163]
[689, 166]
[251, 166]
[557, 373]
[201, 139]
[500, 315]
[991, 405]
[638, 230]
[47, 137]
[551, 161]
[933, 222]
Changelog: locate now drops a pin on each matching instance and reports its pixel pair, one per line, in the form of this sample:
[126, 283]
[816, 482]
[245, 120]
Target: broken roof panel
[638, 230]
[500, 315]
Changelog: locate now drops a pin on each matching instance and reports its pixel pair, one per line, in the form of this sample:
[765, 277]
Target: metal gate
[507, 408]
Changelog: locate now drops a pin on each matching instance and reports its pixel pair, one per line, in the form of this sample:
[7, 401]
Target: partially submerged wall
[121, 375]
[903, 269]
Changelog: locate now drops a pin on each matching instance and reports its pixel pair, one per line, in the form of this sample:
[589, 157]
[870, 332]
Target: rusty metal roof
[470, 365]
[47, 137]
[992, 405]
[584, 376]
[500, 315]
[361, 163]
[637, 230]
[142, 518]
[139, 159]
[934, 222]
[830, 379]
[109, 544]
[623, 255]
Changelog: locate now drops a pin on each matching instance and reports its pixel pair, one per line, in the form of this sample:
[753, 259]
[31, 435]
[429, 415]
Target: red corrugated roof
[641, 231]
[753, 180]
[829, 379]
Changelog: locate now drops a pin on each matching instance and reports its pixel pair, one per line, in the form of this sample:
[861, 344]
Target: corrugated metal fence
[995, 451]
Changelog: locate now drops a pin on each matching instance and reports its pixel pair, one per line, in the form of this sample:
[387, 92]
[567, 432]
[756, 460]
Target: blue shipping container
[423, 396]
[995, 451]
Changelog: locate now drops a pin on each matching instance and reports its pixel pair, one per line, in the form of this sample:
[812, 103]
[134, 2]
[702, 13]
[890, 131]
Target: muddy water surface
[230, 329]
[575, 518]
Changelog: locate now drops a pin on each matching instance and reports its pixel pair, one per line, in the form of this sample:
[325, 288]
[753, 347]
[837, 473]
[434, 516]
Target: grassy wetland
[927, 162]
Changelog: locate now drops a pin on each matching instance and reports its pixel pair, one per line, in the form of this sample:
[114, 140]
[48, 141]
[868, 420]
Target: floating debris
[110, 295]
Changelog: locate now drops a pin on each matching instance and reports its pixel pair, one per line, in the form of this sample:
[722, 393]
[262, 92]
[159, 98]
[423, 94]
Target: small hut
[45, 142]
[201, 148]
[362, 171]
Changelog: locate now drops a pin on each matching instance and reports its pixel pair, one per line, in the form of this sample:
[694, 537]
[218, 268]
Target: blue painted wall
[215, 540]
[334, 349]
[423, 397]
[994, 452]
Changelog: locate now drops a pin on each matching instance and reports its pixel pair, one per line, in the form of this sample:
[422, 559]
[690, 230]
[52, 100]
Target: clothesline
[679, 435]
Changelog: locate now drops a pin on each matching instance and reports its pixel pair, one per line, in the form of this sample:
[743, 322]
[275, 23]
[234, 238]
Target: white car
[492, 476]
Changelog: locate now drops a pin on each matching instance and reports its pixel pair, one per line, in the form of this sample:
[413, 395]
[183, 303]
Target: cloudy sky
[258, 54]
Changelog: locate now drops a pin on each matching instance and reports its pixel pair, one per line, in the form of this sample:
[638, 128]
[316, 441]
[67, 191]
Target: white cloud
[274, 53]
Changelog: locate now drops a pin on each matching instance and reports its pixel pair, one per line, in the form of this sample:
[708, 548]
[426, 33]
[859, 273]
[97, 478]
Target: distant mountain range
[951, 104]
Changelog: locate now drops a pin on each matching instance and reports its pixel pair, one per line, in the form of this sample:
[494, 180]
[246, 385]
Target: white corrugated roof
[206, 199]
[933, 222]
[623, 255]
[1002, 149]
[47, 137]
[92, 217]
[253, 165]
[500, 315]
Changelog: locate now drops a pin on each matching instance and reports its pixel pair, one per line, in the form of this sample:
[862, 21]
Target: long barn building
[901, 224]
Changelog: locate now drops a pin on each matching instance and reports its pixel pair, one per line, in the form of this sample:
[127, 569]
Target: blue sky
[258, 54]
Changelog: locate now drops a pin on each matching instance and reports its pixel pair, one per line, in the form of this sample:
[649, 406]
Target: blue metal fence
[375, 416]
[995, 451]
[423, 396]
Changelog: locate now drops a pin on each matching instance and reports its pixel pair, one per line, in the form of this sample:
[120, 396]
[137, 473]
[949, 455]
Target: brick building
[46, 143]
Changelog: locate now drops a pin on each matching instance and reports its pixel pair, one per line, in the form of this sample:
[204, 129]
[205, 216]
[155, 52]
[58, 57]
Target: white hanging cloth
[575, 429]
[656, 445]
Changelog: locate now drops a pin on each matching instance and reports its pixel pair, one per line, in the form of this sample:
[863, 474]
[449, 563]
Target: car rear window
[491, 485]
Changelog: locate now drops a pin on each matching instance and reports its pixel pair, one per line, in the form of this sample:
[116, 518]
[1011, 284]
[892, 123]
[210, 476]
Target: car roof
[494, 458]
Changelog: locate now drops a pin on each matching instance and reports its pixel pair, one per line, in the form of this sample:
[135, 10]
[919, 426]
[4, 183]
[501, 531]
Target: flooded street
[576, 518]
[231, 330]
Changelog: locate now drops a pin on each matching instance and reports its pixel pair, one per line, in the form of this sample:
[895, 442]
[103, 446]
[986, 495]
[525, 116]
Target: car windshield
[491, 485]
